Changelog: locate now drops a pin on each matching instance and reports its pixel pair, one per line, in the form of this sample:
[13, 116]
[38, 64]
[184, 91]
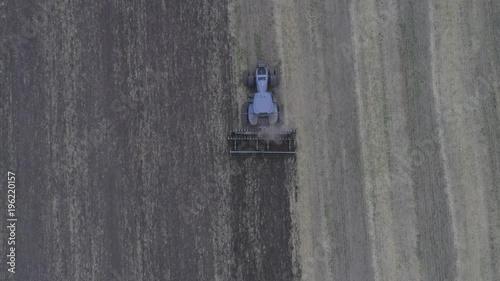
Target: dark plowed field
[114, 122]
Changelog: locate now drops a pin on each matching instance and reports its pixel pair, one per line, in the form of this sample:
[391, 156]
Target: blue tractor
[261, 114]
[263, 107]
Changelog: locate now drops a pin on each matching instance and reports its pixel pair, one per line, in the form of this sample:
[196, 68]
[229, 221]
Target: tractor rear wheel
[280, 109]
[244, 114]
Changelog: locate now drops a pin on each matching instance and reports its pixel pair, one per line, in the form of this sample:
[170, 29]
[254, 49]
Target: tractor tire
[272, 80]
[244, 115]
[251, 81]
[280, 109]
[245, 77]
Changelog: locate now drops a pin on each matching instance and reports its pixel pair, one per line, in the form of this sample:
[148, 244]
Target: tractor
[263, 105]
[261, 114]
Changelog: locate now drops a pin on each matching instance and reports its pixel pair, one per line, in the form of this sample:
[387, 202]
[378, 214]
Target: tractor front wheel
[277, 75]
[251, 81]
[272, 80]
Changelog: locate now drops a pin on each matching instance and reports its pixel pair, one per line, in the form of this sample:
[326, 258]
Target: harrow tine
[261, 142]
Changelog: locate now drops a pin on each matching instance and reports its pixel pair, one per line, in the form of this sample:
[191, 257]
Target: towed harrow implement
[261, 141]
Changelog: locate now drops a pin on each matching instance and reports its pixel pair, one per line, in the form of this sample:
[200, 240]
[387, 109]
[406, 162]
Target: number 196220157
[11, 197]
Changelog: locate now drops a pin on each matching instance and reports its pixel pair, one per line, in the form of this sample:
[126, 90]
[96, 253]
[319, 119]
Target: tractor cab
[261, 76]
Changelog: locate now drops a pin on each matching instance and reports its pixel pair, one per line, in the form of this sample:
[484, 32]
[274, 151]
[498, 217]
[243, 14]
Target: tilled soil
[115, 121]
